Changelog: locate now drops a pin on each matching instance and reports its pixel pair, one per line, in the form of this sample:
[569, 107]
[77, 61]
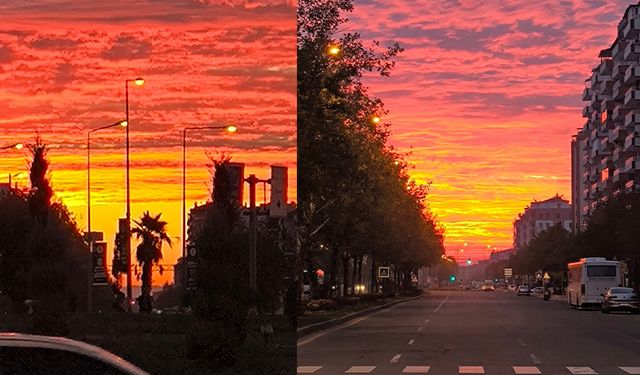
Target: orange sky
[485, 99]
[62, 71]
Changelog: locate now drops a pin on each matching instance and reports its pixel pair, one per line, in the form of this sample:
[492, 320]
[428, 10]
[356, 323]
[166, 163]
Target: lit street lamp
[89, 237]
[229, 129]
[139, 82]
[17, 146]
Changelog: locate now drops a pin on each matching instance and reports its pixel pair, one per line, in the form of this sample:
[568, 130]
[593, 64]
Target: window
[601, 271]
[41, 361]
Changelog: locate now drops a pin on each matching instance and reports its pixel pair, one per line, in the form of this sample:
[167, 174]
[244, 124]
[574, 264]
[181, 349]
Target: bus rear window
[601, 271]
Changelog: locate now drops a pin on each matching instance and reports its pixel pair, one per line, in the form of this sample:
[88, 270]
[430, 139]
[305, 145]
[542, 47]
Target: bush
[370, 297]
[321, 304]
[347, 301]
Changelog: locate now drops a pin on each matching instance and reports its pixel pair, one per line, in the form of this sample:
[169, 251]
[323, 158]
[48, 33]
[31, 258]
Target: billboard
[99, 252]
[278, 206]
[236, 178]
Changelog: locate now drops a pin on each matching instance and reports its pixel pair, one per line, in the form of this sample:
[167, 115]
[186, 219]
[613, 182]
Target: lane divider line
[395, 358]
[534, 359]
[411, 341]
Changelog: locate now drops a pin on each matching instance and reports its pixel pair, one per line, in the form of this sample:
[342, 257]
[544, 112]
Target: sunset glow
[63, 68]
[484, 101]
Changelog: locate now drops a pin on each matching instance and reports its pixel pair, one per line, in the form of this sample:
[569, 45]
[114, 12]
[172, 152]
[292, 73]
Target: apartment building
[540, 216]
[605, 151]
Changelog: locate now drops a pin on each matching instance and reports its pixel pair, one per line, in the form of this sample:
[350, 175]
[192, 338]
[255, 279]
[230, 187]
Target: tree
[153, 232]
[41, 192]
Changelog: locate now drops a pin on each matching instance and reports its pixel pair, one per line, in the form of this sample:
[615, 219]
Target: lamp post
[89, 237]
[17, 146]
[139, 82]
[229, 129]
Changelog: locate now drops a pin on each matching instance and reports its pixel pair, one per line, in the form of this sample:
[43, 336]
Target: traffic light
[452, 278]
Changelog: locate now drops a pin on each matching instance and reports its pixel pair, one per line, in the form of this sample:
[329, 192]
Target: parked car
[45, 355]
[523, 290]
[537, 290]
[511, 288]
[620, 299]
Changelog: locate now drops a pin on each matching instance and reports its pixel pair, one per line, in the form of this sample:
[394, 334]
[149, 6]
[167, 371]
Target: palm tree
[153, 232]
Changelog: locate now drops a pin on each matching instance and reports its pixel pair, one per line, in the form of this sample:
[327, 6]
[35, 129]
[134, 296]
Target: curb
[303, 331]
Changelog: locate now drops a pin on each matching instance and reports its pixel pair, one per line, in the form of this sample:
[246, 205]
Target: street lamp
[334, 50]
[17, 146]
[229, 129]
[139, 82]
[375, 119]
[89, 237]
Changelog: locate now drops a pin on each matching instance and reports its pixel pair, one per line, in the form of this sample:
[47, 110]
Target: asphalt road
[472, 332]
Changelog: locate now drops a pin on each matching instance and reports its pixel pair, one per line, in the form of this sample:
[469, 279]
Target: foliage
[42, 254]
[355, 195]
[549, 250]
[153, 232]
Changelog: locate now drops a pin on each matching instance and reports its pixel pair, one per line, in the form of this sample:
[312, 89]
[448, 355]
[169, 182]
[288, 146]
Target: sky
[63, 66]
[484, 101]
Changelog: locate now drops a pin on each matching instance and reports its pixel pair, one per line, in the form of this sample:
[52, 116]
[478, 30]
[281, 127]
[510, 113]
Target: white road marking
[426, 321]
[526, 370]
[470, 370]
[360, 370]
[411, 341]
[420, 329]
[581, 370]
[631, 370]
[521, 342]
[534, 359]
[395, 358]
[308, 369]
[442, 303]
[416, 370]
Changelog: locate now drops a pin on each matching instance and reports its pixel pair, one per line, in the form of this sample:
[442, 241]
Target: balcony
[632, 97]
[629, 186]
[632, 119]
[586, 111]
[617, 93]
[606, 144]
[631, 75]
[586, 94]
[606, 86]
[618, 134]
[632, 51]
[618, 49]
[619, 111]
[618, 70]
[615, 177]
[630, 31]
[630, 165]
[605, 68]
[631, 142]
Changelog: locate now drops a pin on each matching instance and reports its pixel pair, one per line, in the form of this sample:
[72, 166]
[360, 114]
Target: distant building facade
[540, 216]
[605, 152]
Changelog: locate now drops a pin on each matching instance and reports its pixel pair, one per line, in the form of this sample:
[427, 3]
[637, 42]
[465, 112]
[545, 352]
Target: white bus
[589, 279]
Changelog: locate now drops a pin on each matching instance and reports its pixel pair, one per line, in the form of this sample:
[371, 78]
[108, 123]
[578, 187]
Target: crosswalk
[517, 370]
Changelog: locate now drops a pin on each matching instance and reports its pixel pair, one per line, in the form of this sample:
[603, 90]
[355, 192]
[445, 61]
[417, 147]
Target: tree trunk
[333, 265]
[354, 274]
[345, 274]
[300, 268]
[360, 269]
[373, 275]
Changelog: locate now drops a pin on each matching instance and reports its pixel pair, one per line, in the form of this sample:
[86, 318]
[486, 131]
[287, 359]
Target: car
[488, 286]
[39, 355]
[619, 298]
[511, 288]
[523, 290]
[537, 290]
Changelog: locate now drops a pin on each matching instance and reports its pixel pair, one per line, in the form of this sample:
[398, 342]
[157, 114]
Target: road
[473, 332]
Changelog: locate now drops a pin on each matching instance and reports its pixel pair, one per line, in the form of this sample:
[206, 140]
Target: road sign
[383, 272]
[99, 252]
[546, 276]
[508, 272]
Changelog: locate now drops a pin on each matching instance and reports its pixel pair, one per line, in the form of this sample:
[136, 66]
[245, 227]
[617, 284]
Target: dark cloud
[473, 40]
[6, 54]
[65, 74]
[541, 60]
[53, 42]
[128, 47]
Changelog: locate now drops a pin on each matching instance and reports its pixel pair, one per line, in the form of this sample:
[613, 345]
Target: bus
[589, 279]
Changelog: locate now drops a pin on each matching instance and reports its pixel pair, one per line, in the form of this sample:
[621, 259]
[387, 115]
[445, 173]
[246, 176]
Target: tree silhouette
[153, 232]
[41, 192]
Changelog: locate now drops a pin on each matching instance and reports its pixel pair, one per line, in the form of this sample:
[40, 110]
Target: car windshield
[621, 291]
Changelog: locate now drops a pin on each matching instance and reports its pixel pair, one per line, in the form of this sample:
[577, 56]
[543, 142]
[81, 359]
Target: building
[540, 216]
[605, 151]
[497, 256]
